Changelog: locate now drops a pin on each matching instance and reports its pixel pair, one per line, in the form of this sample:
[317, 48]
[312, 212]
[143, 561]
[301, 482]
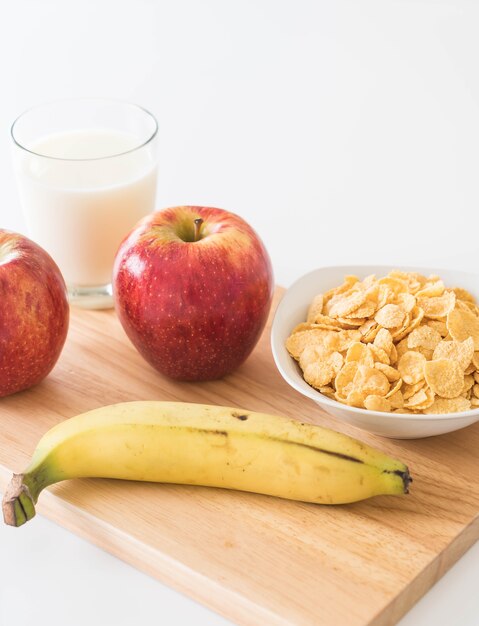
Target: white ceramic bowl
[293, 309]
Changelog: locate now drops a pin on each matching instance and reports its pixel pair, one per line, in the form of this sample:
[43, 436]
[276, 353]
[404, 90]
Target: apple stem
[198, 222]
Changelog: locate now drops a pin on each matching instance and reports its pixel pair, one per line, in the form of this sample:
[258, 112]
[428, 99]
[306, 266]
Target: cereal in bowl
[402, 343]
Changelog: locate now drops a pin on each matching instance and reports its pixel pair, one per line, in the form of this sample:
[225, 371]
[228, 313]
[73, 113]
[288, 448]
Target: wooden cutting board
[255, 559]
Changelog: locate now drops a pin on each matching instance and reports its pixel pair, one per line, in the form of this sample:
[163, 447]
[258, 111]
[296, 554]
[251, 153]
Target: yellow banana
[174, 442]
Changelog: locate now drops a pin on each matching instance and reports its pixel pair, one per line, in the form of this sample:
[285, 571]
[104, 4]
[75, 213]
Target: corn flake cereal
[452, 405]
[377, 403]
[423, 337]
[438, 325]
[298, 342]
[384, 340]
[379, 354]
[320, 372]
[395, 388]
[393, 356]
[371, 334]
[390, 316]
[402, 342]
[344, 379]
[350, 323]
[431, 289]
[460, 351]
[355, 398]
[437, 307]
[370, 381]
[463, 324]
[406, 301]
[468, 383]
[409, 390]
[397, 400]
[340, 305]
[470, 370]
[367, 326]
[413, 320]
[391, 373]
[464, 295]
[361, 353]
[411, 367]
[421, 400]
[363, 312]
[315, 308]
[445, 377]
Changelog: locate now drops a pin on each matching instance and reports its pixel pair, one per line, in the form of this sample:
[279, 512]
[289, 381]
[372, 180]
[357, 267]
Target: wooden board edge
[169, 571]
[425, 580]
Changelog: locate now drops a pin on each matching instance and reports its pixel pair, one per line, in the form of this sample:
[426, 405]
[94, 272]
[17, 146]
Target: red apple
[34, 313]
[192, 288]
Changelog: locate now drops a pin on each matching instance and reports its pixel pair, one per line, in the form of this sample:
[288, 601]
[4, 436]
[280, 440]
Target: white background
[343, 131]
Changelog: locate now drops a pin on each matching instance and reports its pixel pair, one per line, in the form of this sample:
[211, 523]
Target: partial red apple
[192, 288]
[34, 313]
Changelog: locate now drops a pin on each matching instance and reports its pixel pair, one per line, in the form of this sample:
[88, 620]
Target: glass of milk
[86, 172]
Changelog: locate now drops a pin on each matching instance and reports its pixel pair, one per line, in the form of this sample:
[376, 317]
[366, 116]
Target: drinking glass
[86, 172]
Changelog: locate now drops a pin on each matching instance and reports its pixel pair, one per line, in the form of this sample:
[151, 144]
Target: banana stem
[18, 506]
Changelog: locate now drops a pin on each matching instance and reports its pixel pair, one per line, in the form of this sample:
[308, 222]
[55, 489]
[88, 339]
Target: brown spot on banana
[241, 416]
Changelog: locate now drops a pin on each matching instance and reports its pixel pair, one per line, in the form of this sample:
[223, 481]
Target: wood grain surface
[255, 559]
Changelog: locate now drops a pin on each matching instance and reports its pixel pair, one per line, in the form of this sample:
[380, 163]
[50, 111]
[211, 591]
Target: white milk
[80, 210]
